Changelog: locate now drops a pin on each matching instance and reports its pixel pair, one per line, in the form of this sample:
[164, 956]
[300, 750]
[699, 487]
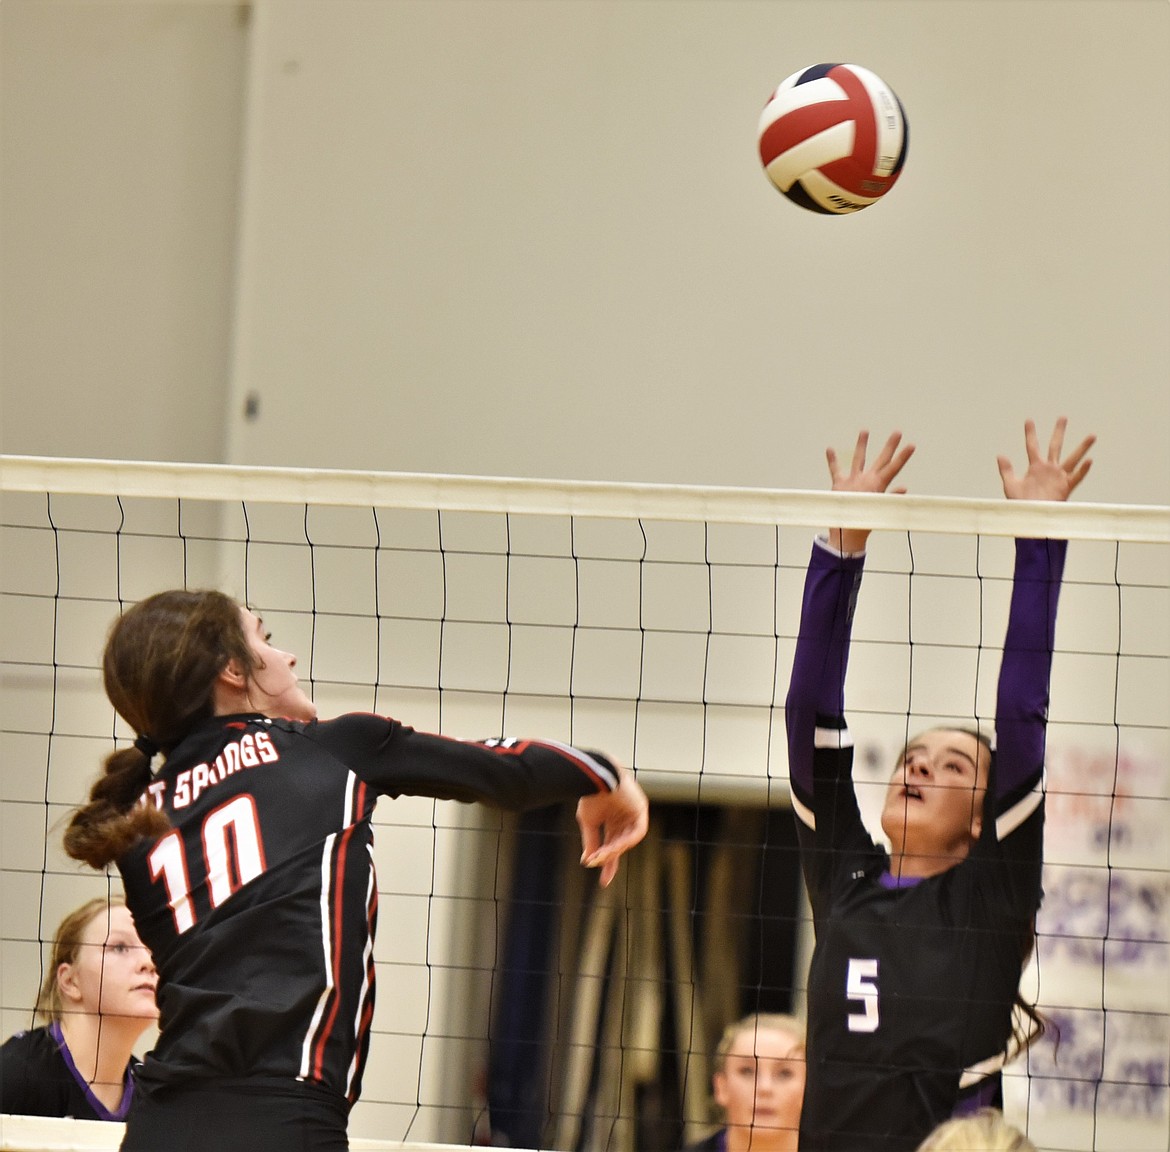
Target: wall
[532, 238]
[120, 133]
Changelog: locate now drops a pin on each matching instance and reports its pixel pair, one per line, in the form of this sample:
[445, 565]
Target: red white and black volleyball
[833, 138]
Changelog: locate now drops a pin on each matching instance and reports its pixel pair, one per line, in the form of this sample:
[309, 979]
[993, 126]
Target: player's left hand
[1048, 477]
[611, 824]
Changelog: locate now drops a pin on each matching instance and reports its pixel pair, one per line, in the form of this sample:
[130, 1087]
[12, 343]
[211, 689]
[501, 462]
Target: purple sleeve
[1021, 710]
[817, 687]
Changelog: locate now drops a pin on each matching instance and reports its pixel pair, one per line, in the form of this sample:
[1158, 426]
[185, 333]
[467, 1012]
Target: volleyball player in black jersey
[919, 951]
[246, 861]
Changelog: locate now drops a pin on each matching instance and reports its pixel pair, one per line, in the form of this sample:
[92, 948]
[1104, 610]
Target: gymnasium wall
[533, 238]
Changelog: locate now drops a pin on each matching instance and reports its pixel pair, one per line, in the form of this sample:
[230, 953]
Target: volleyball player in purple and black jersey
[247, 864]
[919, 951]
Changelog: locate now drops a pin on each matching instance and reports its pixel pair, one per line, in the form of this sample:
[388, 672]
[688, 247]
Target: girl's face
[934, 802]
[761, 1083]
[112, 972]
[273, 689]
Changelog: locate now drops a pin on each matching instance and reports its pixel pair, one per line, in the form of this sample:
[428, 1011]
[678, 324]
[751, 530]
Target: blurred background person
[758, 1082]
[982, 1131]
[97, 999]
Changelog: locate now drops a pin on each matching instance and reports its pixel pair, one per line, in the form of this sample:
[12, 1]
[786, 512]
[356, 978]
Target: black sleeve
[396, 760]
[27, 1086]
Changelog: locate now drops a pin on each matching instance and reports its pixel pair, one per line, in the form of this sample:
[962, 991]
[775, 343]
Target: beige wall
[533, 237]
[119, 173]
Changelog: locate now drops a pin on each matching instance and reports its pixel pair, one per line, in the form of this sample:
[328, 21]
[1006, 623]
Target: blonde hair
[757, 1022]
[982, 1131]
[66, 945]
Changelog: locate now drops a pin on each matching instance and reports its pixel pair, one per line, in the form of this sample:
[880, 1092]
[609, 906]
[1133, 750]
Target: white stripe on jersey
[832, 738]
[594, 765]
[348, 812]
[364, 995]
[806, 815]
[327, 952]
[822, 738]
[1007, 822]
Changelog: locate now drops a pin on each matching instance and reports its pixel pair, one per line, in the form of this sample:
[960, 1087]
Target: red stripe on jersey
[798, 125]
[599, 782]
[337, 924]
[367, 1016]
[367, 1008]
[565, 751]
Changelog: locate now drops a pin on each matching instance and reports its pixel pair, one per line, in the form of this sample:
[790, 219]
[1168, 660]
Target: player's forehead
[764, 1043]
[948, 742]
[110, 923]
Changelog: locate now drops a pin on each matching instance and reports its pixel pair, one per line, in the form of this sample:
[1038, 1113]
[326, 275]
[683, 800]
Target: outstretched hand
[875, 477]
[611, 824]
[1047, 477]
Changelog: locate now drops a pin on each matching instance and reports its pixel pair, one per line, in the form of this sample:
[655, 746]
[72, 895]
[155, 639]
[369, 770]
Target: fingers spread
[1079, 453]
[1057, 442]
[859, 451]
[1076, 477]
[1031, 442]
[834, 471]
[898, 462]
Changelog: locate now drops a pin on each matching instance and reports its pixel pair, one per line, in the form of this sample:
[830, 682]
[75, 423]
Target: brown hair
[66, 945]
[160, 666]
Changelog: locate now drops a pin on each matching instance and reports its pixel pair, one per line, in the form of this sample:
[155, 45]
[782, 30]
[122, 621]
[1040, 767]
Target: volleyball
[833, 138]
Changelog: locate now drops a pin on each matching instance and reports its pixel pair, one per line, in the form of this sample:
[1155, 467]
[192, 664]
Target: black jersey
[912, 982]
[39, 1078]
[259, 906]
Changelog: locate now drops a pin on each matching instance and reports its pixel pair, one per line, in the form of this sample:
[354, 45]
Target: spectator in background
[759, 1084]
[97, 1001]
[982, 1131]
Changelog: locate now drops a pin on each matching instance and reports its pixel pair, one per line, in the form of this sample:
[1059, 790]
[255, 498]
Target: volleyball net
[657, 624]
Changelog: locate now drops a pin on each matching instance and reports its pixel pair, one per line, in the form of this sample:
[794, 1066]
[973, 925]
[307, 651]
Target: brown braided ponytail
[160, 666]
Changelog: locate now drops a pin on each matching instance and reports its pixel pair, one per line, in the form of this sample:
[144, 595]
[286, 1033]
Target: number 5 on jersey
[861, 985]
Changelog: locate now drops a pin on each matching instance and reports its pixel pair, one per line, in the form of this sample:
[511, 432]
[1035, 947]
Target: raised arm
[877, 477]
[817, 687]
[1022, 699]
[612, 809]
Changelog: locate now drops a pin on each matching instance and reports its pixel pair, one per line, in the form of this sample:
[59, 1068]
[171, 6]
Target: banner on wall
[1102, 952]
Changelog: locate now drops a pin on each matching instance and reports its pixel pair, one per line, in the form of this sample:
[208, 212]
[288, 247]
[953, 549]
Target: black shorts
[237, 1116]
